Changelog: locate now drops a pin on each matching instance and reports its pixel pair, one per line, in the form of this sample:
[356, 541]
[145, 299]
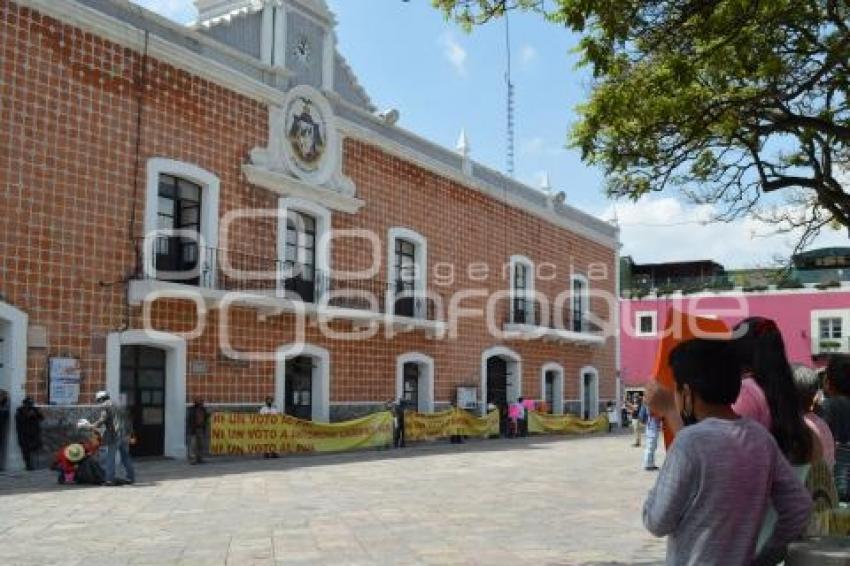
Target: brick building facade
[181, 206]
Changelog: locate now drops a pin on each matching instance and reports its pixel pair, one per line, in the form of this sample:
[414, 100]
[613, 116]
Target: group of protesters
[761, 449]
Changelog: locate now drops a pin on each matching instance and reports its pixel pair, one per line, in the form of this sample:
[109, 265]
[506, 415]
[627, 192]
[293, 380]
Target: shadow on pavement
[151, 471]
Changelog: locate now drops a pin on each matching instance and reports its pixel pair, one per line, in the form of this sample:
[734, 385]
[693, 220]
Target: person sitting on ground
[720, 467]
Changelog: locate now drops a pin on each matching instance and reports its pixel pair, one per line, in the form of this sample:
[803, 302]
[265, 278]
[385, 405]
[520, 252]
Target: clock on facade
[302, 50]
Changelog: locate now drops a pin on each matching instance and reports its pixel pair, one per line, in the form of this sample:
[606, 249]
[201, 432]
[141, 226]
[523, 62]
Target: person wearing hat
[115, 438]
[28, 423]
[66, 461]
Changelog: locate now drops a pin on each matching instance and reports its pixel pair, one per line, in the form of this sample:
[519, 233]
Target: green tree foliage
[727, 100]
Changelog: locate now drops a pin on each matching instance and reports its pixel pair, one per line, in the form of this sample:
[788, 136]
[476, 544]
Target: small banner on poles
[541, 423]
[253, 433]
[420, 426]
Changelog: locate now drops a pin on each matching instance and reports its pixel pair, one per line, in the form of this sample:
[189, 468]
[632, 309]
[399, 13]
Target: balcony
[524, 320]
[272, 286]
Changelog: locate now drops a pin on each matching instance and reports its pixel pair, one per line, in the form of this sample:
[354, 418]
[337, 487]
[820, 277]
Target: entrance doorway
[590, 394]
[410, 385]
[549, 394]
[143, 388]
[497, 389]
[298, 388]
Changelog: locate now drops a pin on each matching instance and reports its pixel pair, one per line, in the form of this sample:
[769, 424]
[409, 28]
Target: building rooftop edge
[260, 80]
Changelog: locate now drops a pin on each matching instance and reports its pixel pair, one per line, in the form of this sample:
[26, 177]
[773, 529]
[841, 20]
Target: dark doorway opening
[497, 390]
[298, 390]
[143, 385]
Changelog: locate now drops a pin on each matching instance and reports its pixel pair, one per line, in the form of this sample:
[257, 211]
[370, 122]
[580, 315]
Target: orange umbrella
[681, 327]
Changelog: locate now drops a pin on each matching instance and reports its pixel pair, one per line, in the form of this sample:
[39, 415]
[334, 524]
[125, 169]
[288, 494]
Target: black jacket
[28, 422]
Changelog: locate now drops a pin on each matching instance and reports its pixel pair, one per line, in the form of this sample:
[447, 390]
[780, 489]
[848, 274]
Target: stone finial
[546, 183]
[463, 148]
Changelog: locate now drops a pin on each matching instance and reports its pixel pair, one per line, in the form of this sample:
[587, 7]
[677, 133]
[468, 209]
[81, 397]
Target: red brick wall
[70, 188]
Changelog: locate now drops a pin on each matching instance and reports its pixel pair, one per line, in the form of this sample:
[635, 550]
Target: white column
[328, 62]
[280, 37]
[267, 35]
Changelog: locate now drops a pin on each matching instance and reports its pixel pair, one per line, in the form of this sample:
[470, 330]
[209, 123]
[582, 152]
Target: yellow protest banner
[542, 423]
[253, 433]
[420, 426]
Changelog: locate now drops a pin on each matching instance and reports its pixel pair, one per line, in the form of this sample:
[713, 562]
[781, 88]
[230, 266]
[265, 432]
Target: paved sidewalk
[528, 501]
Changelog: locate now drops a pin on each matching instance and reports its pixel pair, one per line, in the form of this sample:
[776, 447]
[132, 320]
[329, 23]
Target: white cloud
[663, 229]
[182, 11]
[533, 145]
[527, 54]
[454, 53]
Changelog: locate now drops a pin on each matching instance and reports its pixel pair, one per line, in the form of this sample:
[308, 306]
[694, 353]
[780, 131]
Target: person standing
[635, 409]
[197, 429]
[126, 438]
[398, 409]
[653, 431]
[721, 473]
[612, 415]
[108, 420]
[28, 423]
[269, 409]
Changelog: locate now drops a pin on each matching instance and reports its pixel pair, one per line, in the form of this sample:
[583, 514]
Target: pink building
[814, 322]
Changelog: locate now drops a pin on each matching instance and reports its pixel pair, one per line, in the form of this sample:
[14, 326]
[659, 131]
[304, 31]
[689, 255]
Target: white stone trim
[17, 322]
[321, 377]
[809, 288]
[514, 373]
[531, 276]
[637, 328]
[420, 258]
[593, 411]
[426, 379]
[323, 231]
[285, 185]
[175, 379]
[210, 194]
[558, 392]
[121, 33]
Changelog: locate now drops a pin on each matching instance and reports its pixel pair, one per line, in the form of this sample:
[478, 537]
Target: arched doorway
[501, 380]
[13, 373]
[552, 387]
[589, 388]
[302, 382]
[149, 368]
[415, 381]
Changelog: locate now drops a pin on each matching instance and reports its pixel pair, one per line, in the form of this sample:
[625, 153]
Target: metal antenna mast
[510, 84]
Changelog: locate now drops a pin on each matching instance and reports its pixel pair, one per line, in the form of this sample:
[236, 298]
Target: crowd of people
[760, 448]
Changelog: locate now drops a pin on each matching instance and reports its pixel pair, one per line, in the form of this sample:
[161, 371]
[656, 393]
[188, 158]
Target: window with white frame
[522, 290]
[646, 323]
[830, 328]
[181, 223]
[579, 303]
[303, 248]
[407, 260]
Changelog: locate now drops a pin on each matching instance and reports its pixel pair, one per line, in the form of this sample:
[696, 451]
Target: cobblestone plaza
[528, 501]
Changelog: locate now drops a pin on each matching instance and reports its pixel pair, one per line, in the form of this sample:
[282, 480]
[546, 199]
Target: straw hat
[75, 452]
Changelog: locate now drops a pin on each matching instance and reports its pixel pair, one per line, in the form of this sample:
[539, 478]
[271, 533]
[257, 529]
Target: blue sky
[442, 79]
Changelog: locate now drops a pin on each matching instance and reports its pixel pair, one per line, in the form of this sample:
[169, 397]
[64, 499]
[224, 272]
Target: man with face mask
[722, 471]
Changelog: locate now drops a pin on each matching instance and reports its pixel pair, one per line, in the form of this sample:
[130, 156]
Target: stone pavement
[528, 501]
